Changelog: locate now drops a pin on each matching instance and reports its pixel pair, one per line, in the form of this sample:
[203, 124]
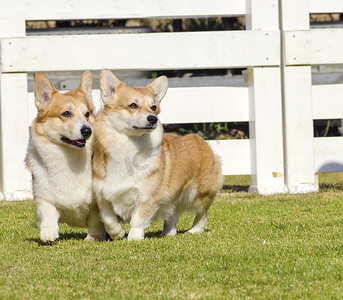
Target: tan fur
[140, 174]
[185, 161]
[59, 158]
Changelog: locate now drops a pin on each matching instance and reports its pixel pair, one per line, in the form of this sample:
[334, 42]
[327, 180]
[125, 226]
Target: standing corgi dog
[141, 175]
[59, 158]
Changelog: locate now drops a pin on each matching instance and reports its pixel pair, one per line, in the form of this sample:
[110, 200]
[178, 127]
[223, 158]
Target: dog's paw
[47, 235]
[196, 230]
[135, 235]
[93, 238]
[118, 235]
[171, 232]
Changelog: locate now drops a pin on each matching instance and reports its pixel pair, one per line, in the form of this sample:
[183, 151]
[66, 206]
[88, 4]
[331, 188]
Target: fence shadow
[331, 176]
[235, 188]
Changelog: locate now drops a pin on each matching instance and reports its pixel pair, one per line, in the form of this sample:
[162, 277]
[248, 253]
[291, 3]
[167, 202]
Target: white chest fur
[131, 160]
[62, 175]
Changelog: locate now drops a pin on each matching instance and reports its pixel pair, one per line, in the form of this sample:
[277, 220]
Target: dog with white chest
[141, 174]
[59, 159]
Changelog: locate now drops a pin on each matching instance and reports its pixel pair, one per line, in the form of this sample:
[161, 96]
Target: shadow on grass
[235, 188]
[82, 236]
[331, 186]
[157, 234]
[63, 237]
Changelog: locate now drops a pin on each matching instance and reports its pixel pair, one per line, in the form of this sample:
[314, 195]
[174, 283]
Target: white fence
[277, 47]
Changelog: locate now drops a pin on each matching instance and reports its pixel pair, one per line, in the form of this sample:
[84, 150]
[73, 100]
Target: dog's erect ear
[86, 85]
[159, 87]
[108, 85]
[43, 91]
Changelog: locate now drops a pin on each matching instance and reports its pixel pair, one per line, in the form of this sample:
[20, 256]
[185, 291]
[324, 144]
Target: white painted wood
[327, 101]
[265, 108]
[265, 128]
[205, 104]
[328, 154]
[123, 9]
[294, 14]
[234, 155]
[297, 106]
[190, 105]
[12, 25]
[16, 180]
[298, 130]
[157, 51]
[262, 14]
[316, 47]
[327, 6]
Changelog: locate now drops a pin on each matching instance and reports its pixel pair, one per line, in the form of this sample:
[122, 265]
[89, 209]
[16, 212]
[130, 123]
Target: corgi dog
[141, 174]
[59, 158]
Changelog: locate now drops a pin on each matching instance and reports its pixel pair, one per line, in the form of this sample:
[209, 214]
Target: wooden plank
[298, 132]
[234, 155]
[266, 150]
[266, 132]
[314, 47]
[206, 104]
[12, 25]
[123, 9]
[297, 105]
[327, 6]
[262, 14]
[151, 51]
[327, 101]
[14, 135]
[328, 154]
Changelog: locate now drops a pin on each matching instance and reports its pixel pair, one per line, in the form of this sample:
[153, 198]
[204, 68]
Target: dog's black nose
[86, 131]
[152, 119]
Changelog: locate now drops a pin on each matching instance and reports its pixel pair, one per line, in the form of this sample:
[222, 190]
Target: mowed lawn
[255, 247]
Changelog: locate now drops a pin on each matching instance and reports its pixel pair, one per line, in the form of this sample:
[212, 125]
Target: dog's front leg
[48, 218]
[140, 220]
[110, 219]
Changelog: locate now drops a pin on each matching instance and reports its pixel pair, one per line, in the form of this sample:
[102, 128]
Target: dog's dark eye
[87, 114]
[133, 105]
[66, 114]
[154, 107]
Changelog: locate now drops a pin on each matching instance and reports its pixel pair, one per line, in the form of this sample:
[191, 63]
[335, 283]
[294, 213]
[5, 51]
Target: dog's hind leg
[48, 218]
[202, 204]
[200, 222]
[169, 228]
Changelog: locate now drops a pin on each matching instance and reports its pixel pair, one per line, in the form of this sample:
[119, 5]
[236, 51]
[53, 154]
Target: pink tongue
[80, 142]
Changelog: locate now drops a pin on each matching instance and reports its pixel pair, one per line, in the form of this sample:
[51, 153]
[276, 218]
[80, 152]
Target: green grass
[256, 247]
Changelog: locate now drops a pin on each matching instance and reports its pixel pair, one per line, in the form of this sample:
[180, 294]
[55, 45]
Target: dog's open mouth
[146, 128]
[78, 143]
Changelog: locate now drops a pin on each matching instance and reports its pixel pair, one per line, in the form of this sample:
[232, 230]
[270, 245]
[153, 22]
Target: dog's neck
[58, 156]
[136, 155]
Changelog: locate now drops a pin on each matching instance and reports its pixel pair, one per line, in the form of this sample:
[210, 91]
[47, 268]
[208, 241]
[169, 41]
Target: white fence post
[297, 108]
[265, 108]
[14, 133]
